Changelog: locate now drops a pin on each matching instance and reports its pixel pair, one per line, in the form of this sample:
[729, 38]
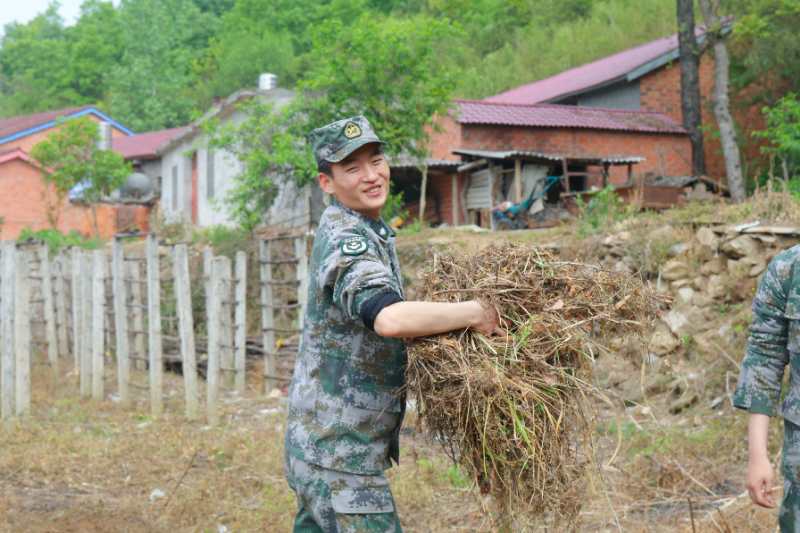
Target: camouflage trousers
[329, 501]
[789, 516]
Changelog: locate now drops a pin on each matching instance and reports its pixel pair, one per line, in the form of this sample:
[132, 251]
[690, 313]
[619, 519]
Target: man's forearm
[757, 432]
[418, 319]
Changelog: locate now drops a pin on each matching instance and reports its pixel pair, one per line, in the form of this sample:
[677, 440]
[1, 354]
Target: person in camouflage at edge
[774, 342]
[345, 400]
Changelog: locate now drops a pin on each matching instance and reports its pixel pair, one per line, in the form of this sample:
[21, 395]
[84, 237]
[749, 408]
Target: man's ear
[325, 182]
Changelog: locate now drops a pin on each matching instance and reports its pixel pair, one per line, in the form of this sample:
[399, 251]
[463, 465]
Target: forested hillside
[157, 63]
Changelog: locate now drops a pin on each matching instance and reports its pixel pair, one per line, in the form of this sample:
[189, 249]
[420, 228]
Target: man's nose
[371, 173]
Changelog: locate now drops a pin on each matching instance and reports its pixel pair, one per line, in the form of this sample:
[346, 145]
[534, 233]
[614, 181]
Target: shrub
[605, 208]
[56, 241]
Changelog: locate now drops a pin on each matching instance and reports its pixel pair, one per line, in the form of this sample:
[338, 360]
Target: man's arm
[419, 319]
[760, 475]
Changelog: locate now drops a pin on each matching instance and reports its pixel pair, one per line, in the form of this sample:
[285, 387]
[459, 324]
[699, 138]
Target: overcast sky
[17, 11]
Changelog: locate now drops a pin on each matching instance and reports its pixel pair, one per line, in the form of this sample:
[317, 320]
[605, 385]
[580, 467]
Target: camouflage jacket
[345, 399]
[774, 341]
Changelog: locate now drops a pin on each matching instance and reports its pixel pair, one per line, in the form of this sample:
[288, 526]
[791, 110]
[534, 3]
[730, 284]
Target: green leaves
[783, 131]
[70, 156]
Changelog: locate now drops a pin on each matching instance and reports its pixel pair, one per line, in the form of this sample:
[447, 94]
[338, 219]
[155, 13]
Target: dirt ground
[77, 465]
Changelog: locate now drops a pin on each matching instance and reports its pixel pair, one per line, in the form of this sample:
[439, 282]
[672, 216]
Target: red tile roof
[145, 145]
[9, 126]
[564, 116]
[594, 74]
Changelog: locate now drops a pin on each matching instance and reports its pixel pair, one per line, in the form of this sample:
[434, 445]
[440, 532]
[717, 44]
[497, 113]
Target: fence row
[110, 313]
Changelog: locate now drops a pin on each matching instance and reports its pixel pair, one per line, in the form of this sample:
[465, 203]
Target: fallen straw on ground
[512, 410]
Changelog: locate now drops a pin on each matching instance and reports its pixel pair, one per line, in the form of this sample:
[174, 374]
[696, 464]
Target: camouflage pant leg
[339, 502]
[789, 517]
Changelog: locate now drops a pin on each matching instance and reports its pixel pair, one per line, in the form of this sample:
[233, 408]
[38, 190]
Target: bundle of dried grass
[512, 410]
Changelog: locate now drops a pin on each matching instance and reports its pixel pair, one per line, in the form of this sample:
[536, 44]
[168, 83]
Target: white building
[195, 178]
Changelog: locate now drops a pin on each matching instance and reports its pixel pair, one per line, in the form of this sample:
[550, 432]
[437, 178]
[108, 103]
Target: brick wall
[21, 181]
[664, 154]
[29, 141]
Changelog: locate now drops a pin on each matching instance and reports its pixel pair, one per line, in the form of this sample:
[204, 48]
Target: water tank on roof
[138, 185]
[267, 82]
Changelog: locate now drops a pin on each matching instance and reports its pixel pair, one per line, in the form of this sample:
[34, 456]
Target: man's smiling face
[360, 181]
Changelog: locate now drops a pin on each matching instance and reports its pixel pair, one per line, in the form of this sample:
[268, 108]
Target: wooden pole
[454, 198]
[240, 285]
[8, 276]
[62, 330]
[49, 308]
[517, 180]
[86, 325]
[121, 322]
[183, 302]
[98, 322]
[77, 308]
[301, 253]
[423, 193]
[267, 317]
[218, 270]
[154, 326]
[22, 335]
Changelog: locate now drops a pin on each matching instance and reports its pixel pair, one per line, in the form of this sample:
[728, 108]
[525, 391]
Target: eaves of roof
[50, 122]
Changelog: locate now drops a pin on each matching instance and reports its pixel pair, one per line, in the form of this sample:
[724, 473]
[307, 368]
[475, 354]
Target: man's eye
[377, 161]
[351, 169]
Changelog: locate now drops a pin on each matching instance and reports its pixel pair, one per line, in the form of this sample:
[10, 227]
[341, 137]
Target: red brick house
[615, 120]
[35, 203]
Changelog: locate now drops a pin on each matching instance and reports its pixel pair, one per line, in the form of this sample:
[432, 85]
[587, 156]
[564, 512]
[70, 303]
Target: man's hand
[486, 320]
[760, 477]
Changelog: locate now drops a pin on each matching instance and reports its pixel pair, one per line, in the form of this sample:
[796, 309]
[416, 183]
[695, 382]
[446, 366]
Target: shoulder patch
[354, 245]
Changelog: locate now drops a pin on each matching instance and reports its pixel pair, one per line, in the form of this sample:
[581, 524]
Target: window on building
[174, 190]
[209, 174]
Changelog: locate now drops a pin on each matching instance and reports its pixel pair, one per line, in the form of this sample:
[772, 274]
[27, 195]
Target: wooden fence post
[49, 308]
[183, 302]
[87, 268]
[240, 341]
[121, 322]
[216, 295]
[98, 321]
[77, 307]
[9, 264]
[301, 253]
[22, 335]
[154, 326]
[61, 305]
[267, 317]
[137, 304]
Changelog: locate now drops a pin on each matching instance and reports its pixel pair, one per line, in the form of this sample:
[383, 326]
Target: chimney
[104, 142]
[267, 82]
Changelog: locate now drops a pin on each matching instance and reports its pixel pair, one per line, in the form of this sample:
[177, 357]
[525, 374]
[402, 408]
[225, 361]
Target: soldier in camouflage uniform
[774, 342]
[345, 401]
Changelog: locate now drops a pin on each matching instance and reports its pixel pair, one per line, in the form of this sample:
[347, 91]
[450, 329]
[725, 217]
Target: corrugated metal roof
[144, 145]
[510, 154]
[625, 65]
[16, 127]
[565, 116]
[406, 162]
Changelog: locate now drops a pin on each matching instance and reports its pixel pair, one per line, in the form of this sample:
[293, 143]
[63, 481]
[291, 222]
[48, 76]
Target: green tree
[783, 134]
[34, 65]
[70, 156]
[150, 87]
[386, 69]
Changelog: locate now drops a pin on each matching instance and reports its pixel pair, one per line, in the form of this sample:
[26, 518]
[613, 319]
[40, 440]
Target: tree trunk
[730, 150]
[690, 83]
[94, 221]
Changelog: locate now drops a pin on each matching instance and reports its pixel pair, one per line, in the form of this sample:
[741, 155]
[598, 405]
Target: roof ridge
[65, 110]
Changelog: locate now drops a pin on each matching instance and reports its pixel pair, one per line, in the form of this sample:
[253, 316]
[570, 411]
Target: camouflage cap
[337, 140]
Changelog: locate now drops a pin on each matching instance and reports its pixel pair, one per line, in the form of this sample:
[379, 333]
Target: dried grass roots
[512, 410]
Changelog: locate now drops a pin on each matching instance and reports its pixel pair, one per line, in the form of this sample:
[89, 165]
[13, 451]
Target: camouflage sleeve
[354, 277]
[761, 374]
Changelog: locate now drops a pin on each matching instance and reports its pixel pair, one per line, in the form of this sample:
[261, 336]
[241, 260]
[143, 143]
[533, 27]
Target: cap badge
[352, 130]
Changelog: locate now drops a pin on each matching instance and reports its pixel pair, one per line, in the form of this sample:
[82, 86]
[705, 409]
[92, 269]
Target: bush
[605, 208]
[56, 241]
